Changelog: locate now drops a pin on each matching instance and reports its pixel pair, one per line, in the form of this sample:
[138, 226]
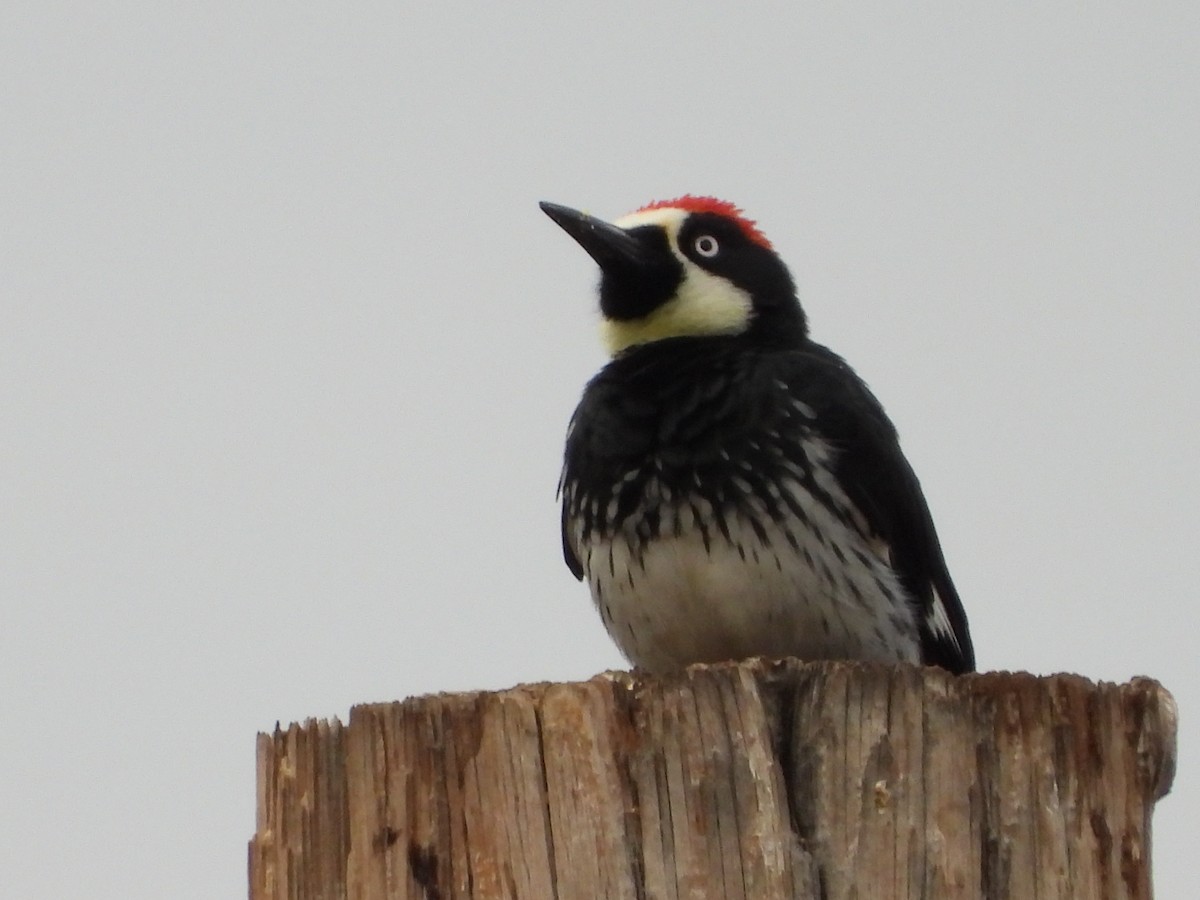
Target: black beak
[611, 247]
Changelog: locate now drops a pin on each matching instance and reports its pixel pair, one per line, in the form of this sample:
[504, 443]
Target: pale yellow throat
[705, 305]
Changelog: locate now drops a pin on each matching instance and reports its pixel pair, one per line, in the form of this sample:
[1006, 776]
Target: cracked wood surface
[755, 780]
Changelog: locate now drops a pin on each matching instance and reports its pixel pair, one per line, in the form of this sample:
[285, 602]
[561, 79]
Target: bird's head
[690, 267]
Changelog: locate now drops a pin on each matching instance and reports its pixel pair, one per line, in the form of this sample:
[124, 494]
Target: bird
[730, 487]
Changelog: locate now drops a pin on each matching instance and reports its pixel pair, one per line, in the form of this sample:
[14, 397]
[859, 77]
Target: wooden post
[757, 780]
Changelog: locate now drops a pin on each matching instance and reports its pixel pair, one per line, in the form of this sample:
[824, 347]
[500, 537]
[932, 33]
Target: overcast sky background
[287, 353]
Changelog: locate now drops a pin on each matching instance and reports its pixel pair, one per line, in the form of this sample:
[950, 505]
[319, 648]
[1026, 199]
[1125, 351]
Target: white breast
[670, 601]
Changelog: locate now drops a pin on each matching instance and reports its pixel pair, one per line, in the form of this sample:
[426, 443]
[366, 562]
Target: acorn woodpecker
[731, 488]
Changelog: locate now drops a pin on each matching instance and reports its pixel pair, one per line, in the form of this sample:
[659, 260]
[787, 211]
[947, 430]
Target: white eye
[706, 245]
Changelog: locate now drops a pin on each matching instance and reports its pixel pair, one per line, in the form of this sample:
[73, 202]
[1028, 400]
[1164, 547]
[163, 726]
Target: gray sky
[287, 352]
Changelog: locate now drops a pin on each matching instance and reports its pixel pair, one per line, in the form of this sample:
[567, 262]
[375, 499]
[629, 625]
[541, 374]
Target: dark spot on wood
[1104, 843]
[995, 862]
[423, 864]
[1134, 872]
[1100, 830]
[385, 838]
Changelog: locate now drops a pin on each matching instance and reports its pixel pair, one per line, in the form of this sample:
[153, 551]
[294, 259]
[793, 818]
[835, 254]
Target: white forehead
[669, 218]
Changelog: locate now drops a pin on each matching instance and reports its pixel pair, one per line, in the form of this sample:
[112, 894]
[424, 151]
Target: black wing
[569, 556]
[878, 479]
[611, 430]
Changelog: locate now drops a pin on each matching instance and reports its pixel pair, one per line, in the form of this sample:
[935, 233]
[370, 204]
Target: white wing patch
[938, 622]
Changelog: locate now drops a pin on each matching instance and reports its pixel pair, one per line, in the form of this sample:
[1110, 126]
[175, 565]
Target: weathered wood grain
[757, 780]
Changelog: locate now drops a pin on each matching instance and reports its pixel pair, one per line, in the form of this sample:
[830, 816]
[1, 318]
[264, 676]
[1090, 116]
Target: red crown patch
[693, 204]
